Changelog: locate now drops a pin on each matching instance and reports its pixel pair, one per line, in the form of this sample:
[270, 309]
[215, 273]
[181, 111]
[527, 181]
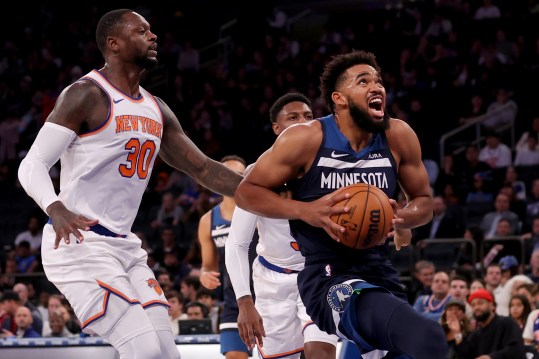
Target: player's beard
[364, 121]
[147, 63]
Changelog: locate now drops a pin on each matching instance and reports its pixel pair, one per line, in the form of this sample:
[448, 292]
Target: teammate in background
[213, 229]
[107, 131]
[278, 312]
[353, 293]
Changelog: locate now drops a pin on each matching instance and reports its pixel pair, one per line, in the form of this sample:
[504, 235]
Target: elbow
[23, 173]
[239, 195]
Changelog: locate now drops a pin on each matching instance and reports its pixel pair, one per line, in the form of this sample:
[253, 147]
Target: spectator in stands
[11, 304]
[511, 279]
[495, 337]
[422, 279]
[529, 155]
[489, 222]
[446, 175]
[447, 222]
[512, 180]
[196, 310]
[176, 309]
[493, 278]
[476, 108]
[519, 310]
[57, 326]
[26, 261]
[44, 296]
[480, 194]
[487, 11]
[495, 153]
[177, 268]
[530, 334]
[7, 278]
[533, 273]
[468, 168]
[208, 298]
[432, 305]
[532, 203]
[456, 325]
[189, 287]
[503, 229]
[528, 290]
[169, 214]
[476, 284]
[32, 235]
[23, 320]
[501, 113]
[516, 205]
[22, 290]
[523, 144]
[459, 289]
[165, 281]
[167, 244]
[189, 58]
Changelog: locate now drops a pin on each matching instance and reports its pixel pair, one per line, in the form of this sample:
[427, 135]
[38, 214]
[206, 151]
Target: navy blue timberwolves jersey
[219, 233]
[337, 165]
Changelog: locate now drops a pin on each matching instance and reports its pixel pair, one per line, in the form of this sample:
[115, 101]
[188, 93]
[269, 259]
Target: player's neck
[227, 207]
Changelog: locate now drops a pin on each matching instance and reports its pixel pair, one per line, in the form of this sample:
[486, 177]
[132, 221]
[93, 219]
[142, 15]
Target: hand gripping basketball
[368, 221]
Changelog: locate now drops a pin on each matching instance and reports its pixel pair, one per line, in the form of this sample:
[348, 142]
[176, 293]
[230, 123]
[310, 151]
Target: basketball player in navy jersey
[353, 293]
[108, 130]
[213, 230]
[279, 315]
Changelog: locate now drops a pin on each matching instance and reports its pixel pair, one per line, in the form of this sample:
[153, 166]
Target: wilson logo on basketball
[152, 283]
[373, 226]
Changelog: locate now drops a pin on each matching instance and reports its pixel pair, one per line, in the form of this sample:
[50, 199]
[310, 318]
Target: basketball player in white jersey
[107, 130]
[278, 310]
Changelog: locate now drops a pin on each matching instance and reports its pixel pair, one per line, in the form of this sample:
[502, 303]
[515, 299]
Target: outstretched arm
[180, 152]
[250, 324]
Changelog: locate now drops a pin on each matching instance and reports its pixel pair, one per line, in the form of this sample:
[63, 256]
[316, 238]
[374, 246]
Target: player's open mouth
[376, 106]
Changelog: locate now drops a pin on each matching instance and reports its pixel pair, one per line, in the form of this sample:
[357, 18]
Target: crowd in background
[445, 63]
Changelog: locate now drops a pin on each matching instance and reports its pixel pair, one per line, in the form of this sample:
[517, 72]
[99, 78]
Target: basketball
[369, 220]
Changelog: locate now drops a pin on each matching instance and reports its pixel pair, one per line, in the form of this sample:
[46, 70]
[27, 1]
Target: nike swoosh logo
[220, 226]
[334, 155]
[116, 101]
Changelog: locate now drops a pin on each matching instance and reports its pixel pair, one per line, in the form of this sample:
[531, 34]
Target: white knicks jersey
[105, 171]
[276, 244]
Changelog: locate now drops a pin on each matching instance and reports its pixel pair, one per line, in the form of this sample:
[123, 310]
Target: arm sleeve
[51, 142]
[237, 250]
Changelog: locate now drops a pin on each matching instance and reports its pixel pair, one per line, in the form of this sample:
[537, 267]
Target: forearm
[220, 179]
[416, 213]
[266, 203]
[237, 251]
[51, 141]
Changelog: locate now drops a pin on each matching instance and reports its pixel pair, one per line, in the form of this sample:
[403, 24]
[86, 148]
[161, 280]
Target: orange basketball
[369, 220]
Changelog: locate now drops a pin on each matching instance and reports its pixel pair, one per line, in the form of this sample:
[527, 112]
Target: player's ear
[276, 128]
[338, 98]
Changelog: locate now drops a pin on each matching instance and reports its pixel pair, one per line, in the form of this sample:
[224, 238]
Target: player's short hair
[285, 100]
[107, 26]
[234, 158]
[336, 68]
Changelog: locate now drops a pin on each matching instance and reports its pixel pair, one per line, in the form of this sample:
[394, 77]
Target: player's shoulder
[399, 132]
[302, 132]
